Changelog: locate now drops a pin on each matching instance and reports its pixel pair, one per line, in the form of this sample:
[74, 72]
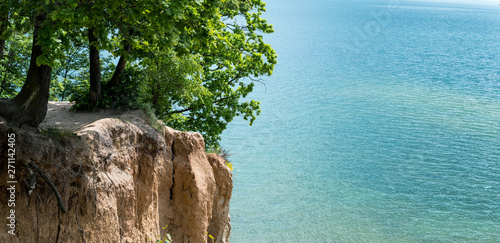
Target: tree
[71, 69]
[95, 69]
[194, 61]
[15, 64]
[232, 56]
[30, 105]
[5, 13]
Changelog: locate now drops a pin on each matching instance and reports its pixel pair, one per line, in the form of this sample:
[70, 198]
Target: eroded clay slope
[119, 182]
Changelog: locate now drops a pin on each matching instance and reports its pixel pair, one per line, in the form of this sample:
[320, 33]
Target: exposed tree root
[54, 189]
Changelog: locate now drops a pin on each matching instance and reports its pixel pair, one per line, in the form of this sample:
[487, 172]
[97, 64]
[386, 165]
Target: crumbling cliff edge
[118, 182]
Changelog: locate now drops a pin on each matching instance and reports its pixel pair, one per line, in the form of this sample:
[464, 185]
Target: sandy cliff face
[119, 183]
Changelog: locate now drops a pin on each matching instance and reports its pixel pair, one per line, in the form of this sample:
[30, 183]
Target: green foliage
[162, 238]
[194, 61]
[211, 237]
[151, 117]
[223, 153]
[172, 80]
[231, 54]
[168, 239]
[69, 71]
[55, 132]
[79, 95]
[14, 65]
[126, 95]
[67, 76]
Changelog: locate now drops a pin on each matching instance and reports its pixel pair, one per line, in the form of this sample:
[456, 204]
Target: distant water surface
[381, 123]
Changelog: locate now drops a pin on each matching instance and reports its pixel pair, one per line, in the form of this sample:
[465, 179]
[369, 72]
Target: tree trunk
[156, 94]
[10, 57]
[95, 71]
[2, 45]
[120, 67]
[155, 88]
[30, 105]
[3, 26]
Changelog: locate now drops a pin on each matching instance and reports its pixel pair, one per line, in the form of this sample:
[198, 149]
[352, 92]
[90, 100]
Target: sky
[486, 2]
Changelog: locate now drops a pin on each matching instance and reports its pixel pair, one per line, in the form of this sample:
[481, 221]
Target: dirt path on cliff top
[58, 115]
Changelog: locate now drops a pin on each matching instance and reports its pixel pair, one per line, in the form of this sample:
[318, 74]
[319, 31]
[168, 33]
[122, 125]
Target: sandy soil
[58, 115]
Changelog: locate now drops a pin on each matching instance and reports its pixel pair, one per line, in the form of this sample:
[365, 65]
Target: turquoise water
[381, 123]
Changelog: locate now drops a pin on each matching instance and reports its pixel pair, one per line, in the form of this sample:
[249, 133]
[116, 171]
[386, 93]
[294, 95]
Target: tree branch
[54, 189]
[191, 108]
[180, 111]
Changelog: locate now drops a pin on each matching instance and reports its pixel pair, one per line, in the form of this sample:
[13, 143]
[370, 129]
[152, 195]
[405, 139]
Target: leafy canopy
[194, 61]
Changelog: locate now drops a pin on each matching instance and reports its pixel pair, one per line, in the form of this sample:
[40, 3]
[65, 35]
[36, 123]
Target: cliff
[119, 180]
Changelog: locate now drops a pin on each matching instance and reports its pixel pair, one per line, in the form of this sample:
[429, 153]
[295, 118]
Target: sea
[380, 123]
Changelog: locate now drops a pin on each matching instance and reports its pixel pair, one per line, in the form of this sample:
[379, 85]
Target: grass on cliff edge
[151, 117]
[223, 153]
[54, 132]
[158, 125]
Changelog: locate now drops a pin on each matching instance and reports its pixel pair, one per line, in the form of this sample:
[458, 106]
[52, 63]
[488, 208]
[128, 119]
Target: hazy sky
[489, 2]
